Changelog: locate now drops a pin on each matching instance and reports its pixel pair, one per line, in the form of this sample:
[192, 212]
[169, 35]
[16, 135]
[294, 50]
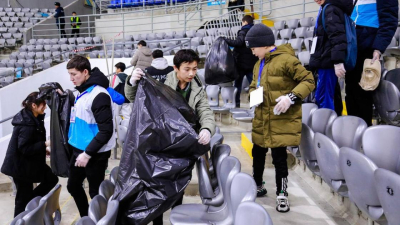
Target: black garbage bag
[159, 153]
[220, 64]
[60, 106]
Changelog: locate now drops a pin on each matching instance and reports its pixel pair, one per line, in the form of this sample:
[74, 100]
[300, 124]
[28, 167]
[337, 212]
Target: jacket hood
[248, 26]
[281, 49]
[345, 5]
[160, 63]
[25, 118]
[122, 77]
[145, 50]
[96, 78]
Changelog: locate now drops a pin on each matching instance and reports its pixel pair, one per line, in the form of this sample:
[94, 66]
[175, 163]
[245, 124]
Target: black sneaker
[261, 191]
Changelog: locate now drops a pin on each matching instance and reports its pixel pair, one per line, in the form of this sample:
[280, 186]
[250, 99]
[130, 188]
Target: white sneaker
[282, 203]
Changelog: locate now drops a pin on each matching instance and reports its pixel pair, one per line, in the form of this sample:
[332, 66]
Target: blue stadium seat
[159, 2]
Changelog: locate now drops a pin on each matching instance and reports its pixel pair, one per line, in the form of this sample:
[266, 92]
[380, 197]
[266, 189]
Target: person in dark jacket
[118, 83]
[159, 66]
[376, 22]
[91, 133]
[330, 52]
[25, 159]
[245, 60]
[60, 21]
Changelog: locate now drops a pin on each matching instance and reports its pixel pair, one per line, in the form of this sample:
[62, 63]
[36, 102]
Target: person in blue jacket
[376, 23]
[60, 21]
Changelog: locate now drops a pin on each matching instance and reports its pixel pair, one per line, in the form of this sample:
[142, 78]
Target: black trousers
[159, 219]
[279, 157]
[75, 31]
[61, 28]
[238, 84]
[25, 191]
[94, 172]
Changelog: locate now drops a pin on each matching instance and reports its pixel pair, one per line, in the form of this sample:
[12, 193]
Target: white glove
[284, 102]
[339, 70]
[375, 56]
[136, 75]
[204, 137]
[82, 160]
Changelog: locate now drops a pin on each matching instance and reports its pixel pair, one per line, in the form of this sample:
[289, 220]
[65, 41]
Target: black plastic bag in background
[159, 153]
[220, 64]
[60, 106]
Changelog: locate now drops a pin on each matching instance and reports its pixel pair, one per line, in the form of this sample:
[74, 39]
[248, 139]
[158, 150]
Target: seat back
[106, 189]
[53, 206]
[358, 171]
[213, 95]
[228, 95]
[230, 166]
[304, 58]
[114, 175]
[243, 189]
[205, 188]
[280, 42]
[279, 25]
[322, 120]
[286, 33]
[347, 131]
[307, 147]
[307, 22]
[252, 213]
[111, 214]
[307, 110]
[97, 208]
[293, 23]
[35, 216]
[380, 144]
[216, 140]
[393, 76]
[327, 153]
[388, 186]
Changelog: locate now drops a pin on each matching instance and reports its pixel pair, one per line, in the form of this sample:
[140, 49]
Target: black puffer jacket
[332, 42]
[245, 60]
[26, 154]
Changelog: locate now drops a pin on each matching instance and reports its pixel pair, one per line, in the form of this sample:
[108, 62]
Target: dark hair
[157, 54]
[120, 66]
[142, 43]
[79, 63]
[73, 12]
[249, 19]
[185, 56]
[32, 98]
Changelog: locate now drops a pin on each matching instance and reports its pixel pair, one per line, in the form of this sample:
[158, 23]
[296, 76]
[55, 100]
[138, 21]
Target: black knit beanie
[259, 36]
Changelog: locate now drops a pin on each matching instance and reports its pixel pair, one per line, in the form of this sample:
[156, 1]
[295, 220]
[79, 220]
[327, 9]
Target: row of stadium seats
[115, 4]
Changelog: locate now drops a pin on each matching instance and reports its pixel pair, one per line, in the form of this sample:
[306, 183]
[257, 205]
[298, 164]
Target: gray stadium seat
[296, 44]
[8, 9]
[54, 41]
[307, 149]
[280, 42]
[200, 33]
[252, 213]
[96, 40]
[55, 48]
[106, 189]
[3, 62]
[300, 32]
[205, 188]
[304, 58]
[347, 131]
[44, 10]
[28, 25]
[151, 36]
[19, 25]
[34, 10]
[17, 36]
[170, 35]
[114, 175]
[6, 35]
[17, 9]
[29, 14]
[64, 47]
[23, 48]
[322, 120]
[228, 97]
[24, 19]
[39, 55]
[358, 171]
[22, 55]
[88, 40]
[46, 65]
[97, 208]
[160, 35]
[25, 10]
[387, 186]
[293, 23]
[47, 55]
[47, 41]
[2, 14]
[20, 63]
[3, 29]
[21, 14]
[71, 47]
[5, 19]
[111, 214]
[199, 214]
[62, 41]
[93, 55]
[52, 10]
[10, 14]
[279, 25]
[56, 56]
[213, 95]
[35, 216]
[307, 110]
[9, 24]
[191, 33]
[11, 42]
[80, 40]
[246, 117]
[85, 221]
[14, 19]
[53, 206]
[286, 33]
[387, 102]
[180, 34]
[28, 71]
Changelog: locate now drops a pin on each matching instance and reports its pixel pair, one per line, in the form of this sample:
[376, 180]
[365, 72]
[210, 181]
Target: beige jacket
[142, 58]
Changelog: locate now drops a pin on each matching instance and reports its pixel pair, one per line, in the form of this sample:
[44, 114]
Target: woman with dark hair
[25, 159]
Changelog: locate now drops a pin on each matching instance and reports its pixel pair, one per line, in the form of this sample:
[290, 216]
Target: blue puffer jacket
[381, 15]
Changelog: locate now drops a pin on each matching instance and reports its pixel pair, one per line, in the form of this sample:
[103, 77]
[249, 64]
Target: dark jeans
[75, 31]
[25, 191]
[94, 172]
[238, 84]
[159, 219]
[279, 157]
[61, 28]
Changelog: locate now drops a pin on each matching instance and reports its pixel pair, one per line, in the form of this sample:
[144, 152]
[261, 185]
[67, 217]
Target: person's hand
[284, 102]
[48, 151]
[47, 143]
[82, 160]
[375, 56]
[339, 70]
[204, 137]
[136, 75]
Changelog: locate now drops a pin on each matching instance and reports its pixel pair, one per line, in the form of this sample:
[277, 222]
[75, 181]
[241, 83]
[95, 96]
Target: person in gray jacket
[142, 57]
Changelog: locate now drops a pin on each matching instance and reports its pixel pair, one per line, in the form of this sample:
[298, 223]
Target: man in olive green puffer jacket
[277, 120]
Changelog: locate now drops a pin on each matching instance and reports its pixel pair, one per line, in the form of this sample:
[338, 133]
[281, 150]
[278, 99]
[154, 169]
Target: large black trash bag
[159, 153]
[220, 64]
[60, 106]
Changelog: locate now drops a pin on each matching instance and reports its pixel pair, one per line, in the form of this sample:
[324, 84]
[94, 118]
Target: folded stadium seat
[208, 41]
[8, 9]
[23, 48]
[286, 33]
[28, 25]
[153, 45]
[2, 14]
[55, 48]
[19, 25]
[44, 10]
[386, 98]
[9, 24]
[31, 55]
[14, 19]
[46, 65]
[5, 19]
[148, 2]
[17, 9]
[24, 19]
[22, 55]
[3, 62]
[308, 43]
[321, 121]
[71, 47]
[56, 56]
[38, 64]
[62, 41]
[10, 14]
[191, 33]
[14, 55]
[276, 34]
[213, 95]
[21, 14]
[11, 42]
[137, 37]
[47, 48]
[36, 215]
[3, 29]
[164, 44]
[72, 41]
[228, 97]
[212, 31]
[93, 54]
[52, 10]
[25, 10]
[34, 10]
[96, 40]
[64, 47]
[151, 36]
[304, 58]
[46, 41]
[246, 116]
[17, 36]
[297, 45]
[201, 33]
[29, 63]
[252, 213]
[301, 32]
[80, 40]
[11, 63]
[280, 42]
[19, 63]
[279, 25]
[47, 55]
[39, 55]
[87, 40]
[170, 35]
[180, 34]
[31, 48]
[29, 14]
[160, 35]
[54, 41]
[97, 208]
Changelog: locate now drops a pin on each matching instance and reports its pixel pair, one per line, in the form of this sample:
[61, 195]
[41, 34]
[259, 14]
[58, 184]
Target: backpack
[351, 36]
